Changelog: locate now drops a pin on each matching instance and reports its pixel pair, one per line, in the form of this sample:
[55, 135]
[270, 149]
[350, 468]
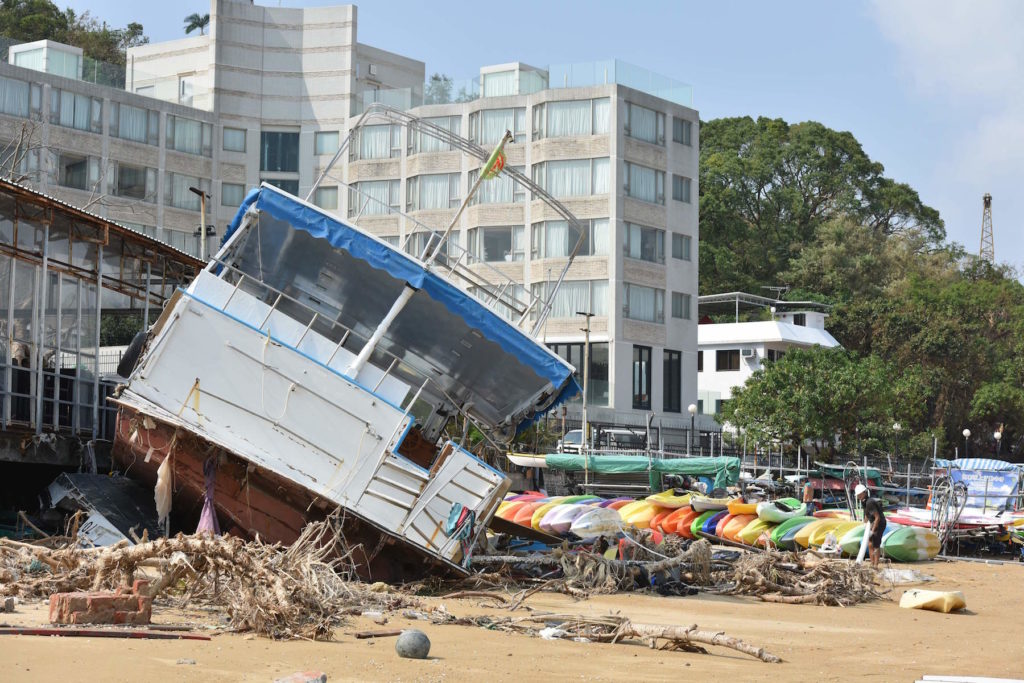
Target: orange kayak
[657, 520]
[524, 515]
[736, 525]
[684, 523]
[721, 524]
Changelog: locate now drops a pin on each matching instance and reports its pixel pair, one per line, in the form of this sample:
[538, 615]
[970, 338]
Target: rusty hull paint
[256, 502]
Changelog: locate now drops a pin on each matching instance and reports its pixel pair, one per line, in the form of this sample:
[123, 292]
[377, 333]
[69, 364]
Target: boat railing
[342, 335]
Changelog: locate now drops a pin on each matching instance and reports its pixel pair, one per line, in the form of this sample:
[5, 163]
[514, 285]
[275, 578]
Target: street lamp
[896, 441]
[967, 435]
[203, 196]
[692, 410]
[998, 436]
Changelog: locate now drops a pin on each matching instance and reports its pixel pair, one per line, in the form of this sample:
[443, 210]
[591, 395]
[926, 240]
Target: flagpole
[469, 196]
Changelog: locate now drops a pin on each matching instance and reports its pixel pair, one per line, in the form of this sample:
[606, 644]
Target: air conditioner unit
[749, 354]
[372, 69]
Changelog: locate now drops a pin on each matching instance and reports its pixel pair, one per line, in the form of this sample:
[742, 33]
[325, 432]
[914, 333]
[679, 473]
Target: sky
[933, 89]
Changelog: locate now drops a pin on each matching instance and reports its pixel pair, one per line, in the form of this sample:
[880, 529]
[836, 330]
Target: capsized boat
[311, 367]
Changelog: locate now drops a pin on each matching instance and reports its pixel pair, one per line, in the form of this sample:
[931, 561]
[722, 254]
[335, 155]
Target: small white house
[729, 353]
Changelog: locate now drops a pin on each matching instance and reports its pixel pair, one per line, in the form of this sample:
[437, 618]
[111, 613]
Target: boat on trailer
[312, 366]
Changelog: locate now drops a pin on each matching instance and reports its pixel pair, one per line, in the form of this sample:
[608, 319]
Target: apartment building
[270, 94]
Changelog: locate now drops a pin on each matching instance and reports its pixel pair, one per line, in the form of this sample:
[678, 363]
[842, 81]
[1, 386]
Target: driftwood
[691, 634]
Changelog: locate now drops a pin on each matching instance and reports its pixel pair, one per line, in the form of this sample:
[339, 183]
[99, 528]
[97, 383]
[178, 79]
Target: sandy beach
[872, 642]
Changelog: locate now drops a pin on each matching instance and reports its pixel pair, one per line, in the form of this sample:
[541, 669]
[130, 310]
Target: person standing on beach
[875, 521]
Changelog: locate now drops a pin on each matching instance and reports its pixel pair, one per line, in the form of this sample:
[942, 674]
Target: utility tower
[988, 242]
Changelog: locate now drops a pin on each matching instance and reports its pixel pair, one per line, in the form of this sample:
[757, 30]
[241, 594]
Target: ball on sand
[413, 644]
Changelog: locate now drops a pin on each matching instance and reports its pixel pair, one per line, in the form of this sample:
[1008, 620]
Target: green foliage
[196, 21]
[119, 330]
[28, 20]
[438, 89]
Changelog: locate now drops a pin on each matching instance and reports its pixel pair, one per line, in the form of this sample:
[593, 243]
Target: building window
[326, 198]
[501, 190]
[681, 246]
[700, 361]
[78, 172]
[772, 356]
[326, 142]
[434, 191]
[573, 177]
[681, 304]
[234, 139]
[498, 243]
[499, 83]
[642, 377]
[373, 142]
[719, 404]
[597, 382]
[645, 304]
[645, 184]
[135, 182]
[231, 194]
[672, 386]
[488, 127]
[289, 186]
[557, 239]
[422, 141]
[682, 131]
[646, 244]
[279, 152]
[680, 188]
[177, 193]
[727, 360]
[373, 198]
[72, 110]
[14, 97]
[800, 319]
[422, 244]
[189, 136]
[134, 123]
[186, 90]
[645, 124]
[573, 297]
[571, 118]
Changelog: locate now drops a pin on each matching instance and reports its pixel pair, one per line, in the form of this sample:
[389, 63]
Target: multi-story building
[270, 95]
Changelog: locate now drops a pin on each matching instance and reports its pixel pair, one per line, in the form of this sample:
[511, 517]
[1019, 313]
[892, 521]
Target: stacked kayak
[782, 523]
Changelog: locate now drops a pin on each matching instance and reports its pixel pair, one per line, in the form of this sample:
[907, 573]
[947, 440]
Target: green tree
[196, 21]
[28, 20]
[438, 89]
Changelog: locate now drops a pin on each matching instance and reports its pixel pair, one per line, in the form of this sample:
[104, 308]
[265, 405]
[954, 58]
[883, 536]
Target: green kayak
[795, 523]
[699, 522]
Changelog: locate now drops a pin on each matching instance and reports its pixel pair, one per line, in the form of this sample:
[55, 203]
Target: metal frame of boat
[319, 367]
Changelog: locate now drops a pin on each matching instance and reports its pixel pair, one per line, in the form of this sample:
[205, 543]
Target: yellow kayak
[738, 507]
[669, 499]
[544, 509]
[640, 513]
[803, 537]
[752, 531]
[817, 537]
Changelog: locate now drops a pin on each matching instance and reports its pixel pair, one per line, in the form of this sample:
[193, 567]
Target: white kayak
[597, 522]
[777, 511]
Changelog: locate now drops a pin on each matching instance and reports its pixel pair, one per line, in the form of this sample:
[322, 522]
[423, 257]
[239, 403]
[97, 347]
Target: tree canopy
[197, 21]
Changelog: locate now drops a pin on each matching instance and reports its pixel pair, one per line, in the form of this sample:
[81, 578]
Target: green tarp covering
[836, 471]
[725, 470]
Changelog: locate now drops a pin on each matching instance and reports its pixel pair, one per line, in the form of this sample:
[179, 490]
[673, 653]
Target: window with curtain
[597, 382]
[672, 384]
[433, 191]
[326, 142]
[499, 84]
[73, 110]
[279, 152]
[645, 124]
[422, 244]
[136, 182]
[373, 198]
[14, 96]
[30, 59]
[500, 190]
[232, 194]
[571, 118]
[681, 305]
[681, 246]
[645, 304]
[377, 142]
[574, 296]
[682, 131]
[642, 377]
[326, 198]
[727, 360]
[421, 141]
[65, 64]
[497, 243]
[487, 127]
[234, 139]
[573, 177]
[78, 172]
[177, 193]
[190, 136]
[556, 239]
[680, 188]
[645, 184]
[134, 123]
[643, 243]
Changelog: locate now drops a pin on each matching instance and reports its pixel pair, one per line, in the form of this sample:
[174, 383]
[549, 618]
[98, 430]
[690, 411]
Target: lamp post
[692, 410]
[203, 196]
[967, 435]
[998, 436]
[586, 368]
[896, 439]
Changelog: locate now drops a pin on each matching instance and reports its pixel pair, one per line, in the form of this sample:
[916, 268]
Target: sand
[872, 642]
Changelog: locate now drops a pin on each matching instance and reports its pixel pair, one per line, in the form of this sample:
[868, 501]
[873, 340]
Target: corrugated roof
[764, 331]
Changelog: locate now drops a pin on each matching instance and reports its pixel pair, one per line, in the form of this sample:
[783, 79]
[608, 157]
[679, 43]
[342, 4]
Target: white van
[614, 439]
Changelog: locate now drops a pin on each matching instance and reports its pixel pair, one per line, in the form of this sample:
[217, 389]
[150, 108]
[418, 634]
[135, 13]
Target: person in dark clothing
[875, 518]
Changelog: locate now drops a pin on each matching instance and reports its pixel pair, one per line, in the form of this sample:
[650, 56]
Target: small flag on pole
[496, 162]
